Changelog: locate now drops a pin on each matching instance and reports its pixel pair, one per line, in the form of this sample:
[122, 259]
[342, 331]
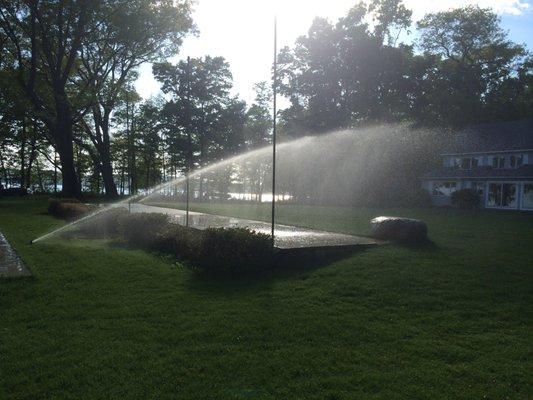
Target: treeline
[70, 118]
[462, 69]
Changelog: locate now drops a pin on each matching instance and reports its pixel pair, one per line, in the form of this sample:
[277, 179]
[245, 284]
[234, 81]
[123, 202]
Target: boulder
[399, 229]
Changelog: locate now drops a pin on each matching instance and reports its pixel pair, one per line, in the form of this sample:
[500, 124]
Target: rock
[399, 229]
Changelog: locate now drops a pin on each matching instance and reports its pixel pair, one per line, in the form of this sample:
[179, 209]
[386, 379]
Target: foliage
[217, 251]
[201, 122]
[413, 197]
[465, 198]
[234, 251]
[179, 241]
[142, 229]
[339, 75]
[13, 191]
[65, 92]
[67, 208]
[104, 224]
[474, 60]
[73, 57]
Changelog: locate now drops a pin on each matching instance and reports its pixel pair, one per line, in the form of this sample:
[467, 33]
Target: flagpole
[274, 107]
[189, 141]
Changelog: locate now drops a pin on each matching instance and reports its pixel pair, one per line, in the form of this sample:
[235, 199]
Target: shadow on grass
[427, 246]
[285, 266]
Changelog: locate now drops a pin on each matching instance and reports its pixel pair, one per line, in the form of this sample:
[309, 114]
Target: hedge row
[216, 250]
[68, 209]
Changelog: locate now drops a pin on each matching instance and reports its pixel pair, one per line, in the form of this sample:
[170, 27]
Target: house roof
[493, 137]
[525, 171]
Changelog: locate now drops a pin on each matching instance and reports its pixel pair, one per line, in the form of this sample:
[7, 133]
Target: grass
[442, 321]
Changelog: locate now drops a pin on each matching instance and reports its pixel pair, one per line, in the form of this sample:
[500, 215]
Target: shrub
[216, 250]
[67, 208]
[180, 241]
[232, 251]
[104, 224]
[13, 192]
[418, 198]
[465, 198]
[141, 230]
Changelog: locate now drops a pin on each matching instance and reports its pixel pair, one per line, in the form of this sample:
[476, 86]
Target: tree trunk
[55, 171]
[107, 172]
[39, 176]
[69, 179]
[33, 154]
[63, 135]
[4, 169]
[23, 153]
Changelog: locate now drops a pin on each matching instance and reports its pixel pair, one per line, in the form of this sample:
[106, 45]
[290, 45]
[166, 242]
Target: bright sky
[242, 31]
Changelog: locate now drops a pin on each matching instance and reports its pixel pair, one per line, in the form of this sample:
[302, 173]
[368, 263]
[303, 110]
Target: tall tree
[126, 34]
[339, 75]
[44, 37]
[199, 90]
[472, 57]
[258, 117]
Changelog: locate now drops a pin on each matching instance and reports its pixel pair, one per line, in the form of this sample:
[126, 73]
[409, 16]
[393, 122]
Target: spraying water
[349, 167]
[258, 153]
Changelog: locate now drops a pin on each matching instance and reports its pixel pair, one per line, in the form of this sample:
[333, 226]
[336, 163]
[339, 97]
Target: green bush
[233, 251]
[418, 198]
[180, 241]
[67, 208]
[104, 224]
[142, 229]
[465, 198]
[216, 250]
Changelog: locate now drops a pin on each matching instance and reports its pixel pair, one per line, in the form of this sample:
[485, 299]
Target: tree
[472, 58]
[44, 37]
[258, 117]
[125, 34]
[340, 75]
[390, 19]
[150, 144]
[199, 88]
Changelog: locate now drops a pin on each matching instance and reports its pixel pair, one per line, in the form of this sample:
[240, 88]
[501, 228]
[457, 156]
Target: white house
[496, 160]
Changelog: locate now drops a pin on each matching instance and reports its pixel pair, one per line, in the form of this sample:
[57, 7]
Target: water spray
[274, 111]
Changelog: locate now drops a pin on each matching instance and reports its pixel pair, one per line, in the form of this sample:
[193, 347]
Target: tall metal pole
[274, 111]
[189, 141]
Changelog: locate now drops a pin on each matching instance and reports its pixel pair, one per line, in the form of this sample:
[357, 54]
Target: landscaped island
[444, 320]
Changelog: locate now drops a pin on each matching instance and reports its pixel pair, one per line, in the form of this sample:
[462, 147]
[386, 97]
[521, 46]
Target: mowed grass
[450, 320]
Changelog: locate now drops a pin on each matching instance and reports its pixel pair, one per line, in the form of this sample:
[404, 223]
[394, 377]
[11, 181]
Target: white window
[466, 163]
[444, 188]
[478, 187]
[456, 161]
[516, 161]
[498, 162]
[527, 196]
[502, 195]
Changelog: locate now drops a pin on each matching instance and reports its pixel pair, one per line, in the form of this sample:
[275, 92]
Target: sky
[242, 32]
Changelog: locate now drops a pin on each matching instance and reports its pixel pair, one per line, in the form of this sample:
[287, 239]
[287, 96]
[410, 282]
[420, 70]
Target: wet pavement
[11, 266]
[286, 237]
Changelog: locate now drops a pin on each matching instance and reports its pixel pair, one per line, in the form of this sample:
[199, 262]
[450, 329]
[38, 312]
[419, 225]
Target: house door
[502, 195]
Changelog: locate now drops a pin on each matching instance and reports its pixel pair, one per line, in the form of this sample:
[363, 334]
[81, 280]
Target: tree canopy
[70, 118]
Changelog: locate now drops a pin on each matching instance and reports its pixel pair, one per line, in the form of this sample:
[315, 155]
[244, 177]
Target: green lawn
[450, 320]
